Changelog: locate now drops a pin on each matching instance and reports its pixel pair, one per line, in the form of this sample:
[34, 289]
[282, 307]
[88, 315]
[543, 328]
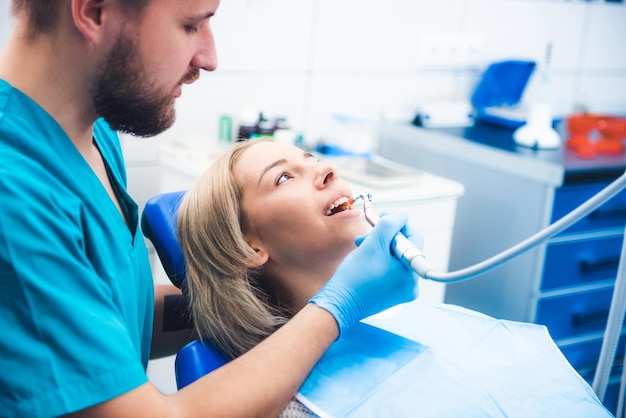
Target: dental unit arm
[413, 258]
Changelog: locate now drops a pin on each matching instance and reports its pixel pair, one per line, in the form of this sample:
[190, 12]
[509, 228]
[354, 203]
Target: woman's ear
[260, 256]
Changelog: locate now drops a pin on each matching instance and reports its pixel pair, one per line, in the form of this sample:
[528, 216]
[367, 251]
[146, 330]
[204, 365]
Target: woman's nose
[327, 173]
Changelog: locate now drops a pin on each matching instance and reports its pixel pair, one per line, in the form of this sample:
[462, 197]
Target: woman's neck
[295, 286]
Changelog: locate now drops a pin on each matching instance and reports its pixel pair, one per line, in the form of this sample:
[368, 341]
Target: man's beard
[124, 95]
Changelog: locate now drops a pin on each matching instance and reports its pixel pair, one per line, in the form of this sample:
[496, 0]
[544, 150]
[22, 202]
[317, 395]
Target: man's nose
[206, 56]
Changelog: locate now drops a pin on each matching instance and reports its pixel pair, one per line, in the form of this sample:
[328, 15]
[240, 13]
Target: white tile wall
[359, 36]
[517, 29]
[605, 49]
[370, 95]
[264, 35]
[309, 59]
[613, 88]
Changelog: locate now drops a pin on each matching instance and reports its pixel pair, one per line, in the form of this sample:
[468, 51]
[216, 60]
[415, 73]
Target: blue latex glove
[370, 279]
[408, 231]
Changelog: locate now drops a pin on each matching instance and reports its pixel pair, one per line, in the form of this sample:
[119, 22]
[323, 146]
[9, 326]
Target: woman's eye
[282, 178]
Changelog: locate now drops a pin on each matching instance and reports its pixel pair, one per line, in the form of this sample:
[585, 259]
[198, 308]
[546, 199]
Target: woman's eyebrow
[281, 162]
[272, 165]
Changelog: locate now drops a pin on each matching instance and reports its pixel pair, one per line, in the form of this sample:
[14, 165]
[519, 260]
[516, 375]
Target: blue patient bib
[445, 361]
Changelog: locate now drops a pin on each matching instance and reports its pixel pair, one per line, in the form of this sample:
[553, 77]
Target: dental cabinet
[511, 192]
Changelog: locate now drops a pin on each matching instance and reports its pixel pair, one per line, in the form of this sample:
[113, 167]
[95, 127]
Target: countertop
[574, 167]
[494, 147]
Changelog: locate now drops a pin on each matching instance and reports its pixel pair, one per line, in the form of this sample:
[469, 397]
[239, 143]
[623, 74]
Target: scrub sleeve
[77, 293]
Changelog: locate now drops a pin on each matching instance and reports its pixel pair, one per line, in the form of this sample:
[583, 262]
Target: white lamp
[538, 131]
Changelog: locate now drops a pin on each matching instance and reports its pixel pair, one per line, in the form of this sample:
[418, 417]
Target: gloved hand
[408, 231]
[370, 279]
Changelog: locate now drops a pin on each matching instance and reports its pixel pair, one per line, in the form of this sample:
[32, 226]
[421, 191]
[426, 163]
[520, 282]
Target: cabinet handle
[588, 318]
[589, 266]
[618, 212]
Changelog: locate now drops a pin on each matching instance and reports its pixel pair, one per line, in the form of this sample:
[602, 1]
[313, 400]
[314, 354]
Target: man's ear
[88, 16]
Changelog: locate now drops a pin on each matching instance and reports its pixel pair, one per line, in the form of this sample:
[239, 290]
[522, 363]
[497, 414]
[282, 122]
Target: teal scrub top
[76, 292]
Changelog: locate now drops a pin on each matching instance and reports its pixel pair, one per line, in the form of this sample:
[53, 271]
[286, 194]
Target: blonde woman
[267, 226]
[262, 231]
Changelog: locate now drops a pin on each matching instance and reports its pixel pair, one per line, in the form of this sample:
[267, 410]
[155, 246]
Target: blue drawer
[610, 215]
[581, 262]
[586, 355]
[576, 313]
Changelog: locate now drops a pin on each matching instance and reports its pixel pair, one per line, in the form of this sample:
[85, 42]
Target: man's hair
[42, 15]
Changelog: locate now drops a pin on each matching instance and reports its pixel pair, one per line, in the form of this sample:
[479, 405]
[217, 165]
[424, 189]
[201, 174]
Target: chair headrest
[158, 224]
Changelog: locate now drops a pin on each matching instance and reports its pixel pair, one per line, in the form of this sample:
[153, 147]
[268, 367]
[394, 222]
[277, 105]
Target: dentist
[78, 309]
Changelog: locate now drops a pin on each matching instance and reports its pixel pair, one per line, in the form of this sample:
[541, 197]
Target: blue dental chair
[158, 224]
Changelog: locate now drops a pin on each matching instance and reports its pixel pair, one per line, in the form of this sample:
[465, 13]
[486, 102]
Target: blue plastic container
[502, 85]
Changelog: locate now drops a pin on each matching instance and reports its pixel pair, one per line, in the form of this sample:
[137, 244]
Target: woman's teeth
[339, 205]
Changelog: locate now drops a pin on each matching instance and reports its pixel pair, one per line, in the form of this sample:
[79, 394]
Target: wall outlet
[449, 51]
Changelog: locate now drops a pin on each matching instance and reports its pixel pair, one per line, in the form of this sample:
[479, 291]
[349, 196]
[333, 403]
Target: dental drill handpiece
[403, 249]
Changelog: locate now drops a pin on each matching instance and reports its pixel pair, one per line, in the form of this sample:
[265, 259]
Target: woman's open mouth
[340, 205]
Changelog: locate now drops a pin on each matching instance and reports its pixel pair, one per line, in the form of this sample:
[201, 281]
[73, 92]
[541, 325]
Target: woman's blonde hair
[229, 304]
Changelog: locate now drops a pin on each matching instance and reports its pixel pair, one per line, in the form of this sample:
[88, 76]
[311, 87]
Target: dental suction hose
[413, 257]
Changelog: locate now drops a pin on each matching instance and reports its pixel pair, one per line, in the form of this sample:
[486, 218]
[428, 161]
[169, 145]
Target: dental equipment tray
[376, 172]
